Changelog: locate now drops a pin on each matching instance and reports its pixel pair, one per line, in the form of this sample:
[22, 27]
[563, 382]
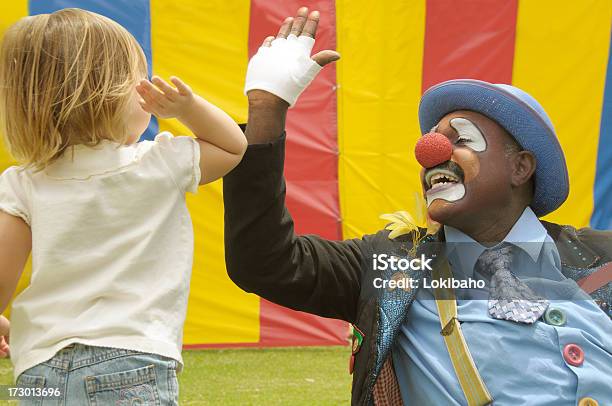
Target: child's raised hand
[163, 100]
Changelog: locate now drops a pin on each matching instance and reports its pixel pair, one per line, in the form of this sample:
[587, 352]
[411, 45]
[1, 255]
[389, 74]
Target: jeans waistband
[76, 355]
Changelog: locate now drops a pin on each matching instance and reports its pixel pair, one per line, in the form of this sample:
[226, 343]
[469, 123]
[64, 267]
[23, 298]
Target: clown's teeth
[440, 184]
[440, 175]
[449, 191]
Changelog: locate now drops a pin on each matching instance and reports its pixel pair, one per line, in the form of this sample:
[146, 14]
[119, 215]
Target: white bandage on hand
[284, 68]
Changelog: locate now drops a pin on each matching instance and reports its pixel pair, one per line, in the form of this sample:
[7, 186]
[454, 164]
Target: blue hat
[519, 114]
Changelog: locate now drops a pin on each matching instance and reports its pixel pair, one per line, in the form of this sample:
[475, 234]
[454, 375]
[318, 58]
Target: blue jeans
[99, 376]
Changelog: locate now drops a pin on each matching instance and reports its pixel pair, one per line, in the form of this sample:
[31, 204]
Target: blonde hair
[66, 78]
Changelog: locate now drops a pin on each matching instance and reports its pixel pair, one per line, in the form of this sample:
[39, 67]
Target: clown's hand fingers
[285, 28]
[285, 67]
[310, 27]
[299, 21]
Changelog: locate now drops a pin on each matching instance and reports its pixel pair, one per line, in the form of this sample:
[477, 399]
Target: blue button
[554, 317]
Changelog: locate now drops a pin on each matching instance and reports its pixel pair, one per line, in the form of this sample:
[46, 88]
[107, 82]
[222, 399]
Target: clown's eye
[468, 135]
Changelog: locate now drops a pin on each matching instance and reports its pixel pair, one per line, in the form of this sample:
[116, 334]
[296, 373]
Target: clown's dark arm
[262, 252]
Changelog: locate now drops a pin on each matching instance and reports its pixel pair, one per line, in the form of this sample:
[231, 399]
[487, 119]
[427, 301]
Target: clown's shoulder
[597, 243]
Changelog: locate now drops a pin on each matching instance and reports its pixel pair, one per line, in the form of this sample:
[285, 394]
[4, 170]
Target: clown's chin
[450, 192]
[442, 201]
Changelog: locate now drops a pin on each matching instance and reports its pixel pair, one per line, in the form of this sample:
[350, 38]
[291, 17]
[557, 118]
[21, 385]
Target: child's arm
[15, 247]
[222, 143]
[5, 326]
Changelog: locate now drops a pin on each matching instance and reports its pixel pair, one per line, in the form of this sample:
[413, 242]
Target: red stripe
[469, 39]
[311, 169]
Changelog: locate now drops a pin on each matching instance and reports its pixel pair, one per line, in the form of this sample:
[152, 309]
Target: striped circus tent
[351, 136]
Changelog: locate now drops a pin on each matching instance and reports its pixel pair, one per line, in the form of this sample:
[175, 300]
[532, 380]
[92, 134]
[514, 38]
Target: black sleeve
[263, 254]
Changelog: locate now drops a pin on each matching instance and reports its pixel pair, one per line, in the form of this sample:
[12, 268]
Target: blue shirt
[518, 363]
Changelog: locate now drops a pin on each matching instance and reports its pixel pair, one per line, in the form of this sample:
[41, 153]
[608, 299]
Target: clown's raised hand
[283, 65]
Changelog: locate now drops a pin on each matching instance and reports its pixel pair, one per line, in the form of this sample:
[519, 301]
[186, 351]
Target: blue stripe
[134, 15]
[602, 212]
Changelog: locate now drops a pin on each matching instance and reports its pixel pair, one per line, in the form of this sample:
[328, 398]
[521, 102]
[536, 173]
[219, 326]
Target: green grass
[280, 376]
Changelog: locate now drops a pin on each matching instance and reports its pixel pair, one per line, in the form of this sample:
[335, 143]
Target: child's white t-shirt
[112, 248]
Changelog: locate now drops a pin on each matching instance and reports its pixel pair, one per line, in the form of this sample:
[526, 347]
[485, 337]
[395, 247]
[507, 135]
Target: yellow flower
[402, 223]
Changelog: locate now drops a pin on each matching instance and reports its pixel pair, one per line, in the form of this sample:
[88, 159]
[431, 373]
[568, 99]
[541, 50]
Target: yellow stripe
[206, 44]
[11, 12]
[379, 78]
[560, 58]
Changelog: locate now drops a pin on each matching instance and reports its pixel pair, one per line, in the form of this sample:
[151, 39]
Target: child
[111, 236]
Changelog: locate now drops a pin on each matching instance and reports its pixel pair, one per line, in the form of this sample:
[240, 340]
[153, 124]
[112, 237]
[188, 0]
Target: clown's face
[477, 179]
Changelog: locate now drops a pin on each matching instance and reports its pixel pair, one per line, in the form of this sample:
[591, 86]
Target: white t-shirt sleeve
[13, 196]
[182, 156]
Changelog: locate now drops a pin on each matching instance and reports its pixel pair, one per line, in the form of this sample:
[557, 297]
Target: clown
[491, 166]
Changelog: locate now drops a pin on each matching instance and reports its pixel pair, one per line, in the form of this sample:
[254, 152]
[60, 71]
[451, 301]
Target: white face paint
[450, 192]
[444, 184]
[469, 134]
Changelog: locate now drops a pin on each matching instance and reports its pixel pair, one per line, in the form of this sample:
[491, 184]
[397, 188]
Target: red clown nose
[433, 149]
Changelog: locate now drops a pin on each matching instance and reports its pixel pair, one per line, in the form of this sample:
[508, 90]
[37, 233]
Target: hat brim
[519, 119]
